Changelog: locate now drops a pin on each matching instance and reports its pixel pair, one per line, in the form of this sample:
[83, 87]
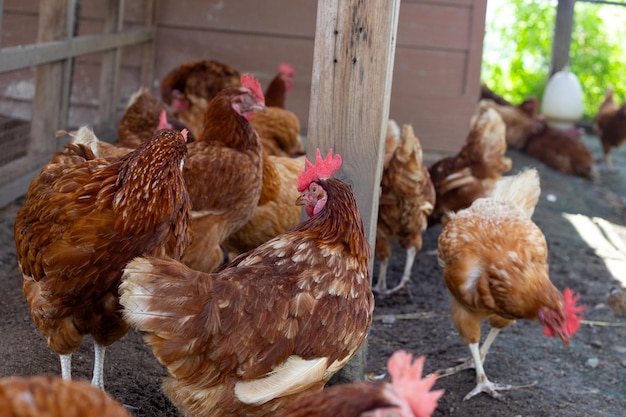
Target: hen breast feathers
[270, 326]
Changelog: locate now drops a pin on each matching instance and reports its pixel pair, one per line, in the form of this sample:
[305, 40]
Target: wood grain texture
[351, 87]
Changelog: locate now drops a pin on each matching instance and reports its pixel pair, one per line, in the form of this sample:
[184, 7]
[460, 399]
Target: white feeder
[562, 103]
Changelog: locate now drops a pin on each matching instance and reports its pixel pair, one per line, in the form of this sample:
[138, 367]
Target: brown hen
[82, 221]
[407, 198]
[472, 173]
[271, 326]
[610, 126]
[495, 265]
[48, 396]
[223, 173]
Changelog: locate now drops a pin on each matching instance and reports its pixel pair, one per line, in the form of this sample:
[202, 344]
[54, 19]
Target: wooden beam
[109, 75]
[350, 90]
[147, 51]
[562, 35]
[18, 57]
[48, 81]
[68, 65]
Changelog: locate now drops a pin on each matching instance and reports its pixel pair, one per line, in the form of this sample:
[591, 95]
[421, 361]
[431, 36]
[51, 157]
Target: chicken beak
[300, 200]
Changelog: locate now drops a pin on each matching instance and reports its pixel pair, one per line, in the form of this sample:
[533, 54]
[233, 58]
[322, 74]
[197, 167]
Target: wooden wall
[436, 72]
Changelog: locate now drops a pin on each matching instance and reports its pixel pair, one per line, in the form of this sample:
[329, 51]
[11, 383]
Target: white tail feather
[522, 189]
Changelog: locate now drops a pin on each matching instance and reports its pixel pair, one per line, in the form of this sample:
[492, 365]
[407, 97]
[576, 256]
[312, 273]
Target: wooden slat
[475, 52]
[440, 123]
[148, 50]
[278, 17]
[429, 72]
[48, 82]
[109, 73]
[44, 52]
[1, 13]
[433, 26]
[66, 81]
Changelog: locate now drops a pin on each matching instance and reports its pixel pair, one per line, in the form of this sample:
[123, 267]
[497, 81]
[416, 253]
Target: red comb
[285, 68]
[323, 169]
[408, 384]
[248, 81]
[571, 311]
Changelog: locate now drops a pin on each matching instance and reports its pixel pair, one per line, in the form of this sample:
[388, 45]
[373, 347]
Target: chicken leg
[98, 366]
[470, 362]
[381, 285]
[482, 382]
[66, 366]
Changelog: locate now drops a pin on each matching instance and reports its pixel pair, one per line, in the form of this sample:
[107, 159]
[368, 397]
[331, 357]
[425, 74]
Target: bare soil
[586, 379]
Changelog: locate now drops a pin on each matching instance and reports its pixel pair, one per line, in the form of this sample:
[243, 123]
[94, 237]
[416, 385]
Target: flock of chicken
[189, 230]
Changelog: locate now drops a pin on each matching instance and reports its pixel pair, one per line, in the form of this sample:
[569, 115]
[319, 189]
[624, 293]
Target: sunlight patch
[603, 237]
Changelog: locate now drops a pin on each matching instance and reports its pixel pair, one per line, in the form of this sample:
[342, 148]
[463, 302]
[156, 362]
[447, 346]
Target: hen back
[83, 220]
[273, 325]
[48, 396]
[472, 173]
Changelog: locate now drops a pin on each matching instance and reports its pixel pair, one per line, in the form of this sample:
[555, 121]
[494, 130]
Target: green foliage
[518, 48]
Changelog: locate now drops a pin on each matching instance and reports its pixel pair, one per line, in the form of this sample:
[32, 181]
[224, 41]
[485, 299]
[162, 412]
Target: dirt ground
[586, 379]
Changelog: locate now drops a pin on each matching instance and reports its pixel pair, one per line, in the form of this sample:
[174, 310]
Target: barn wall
[436, 73]
[437, 65]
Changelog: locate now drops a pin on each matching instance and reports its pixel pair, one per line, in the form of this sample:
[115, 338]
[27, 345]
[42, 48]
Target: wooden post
[109, 75]
[562, 35]
[46, 112]
[351, 86]
[147, 50]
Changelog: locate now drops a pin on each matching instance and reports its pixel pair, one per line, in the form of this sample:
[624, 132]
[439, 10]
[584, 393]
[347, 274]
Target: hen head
[287, 74]
[313, 196]
[250, 97]
[562, 323]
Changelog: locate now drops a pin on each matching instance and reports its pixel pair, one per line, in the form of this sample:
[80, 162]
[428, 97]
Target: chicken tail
[155, 294]
[522, 189]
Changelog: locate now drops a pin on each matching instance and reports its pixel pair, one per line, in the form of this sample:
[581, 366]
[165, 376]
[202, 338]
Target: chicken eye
[314, 188]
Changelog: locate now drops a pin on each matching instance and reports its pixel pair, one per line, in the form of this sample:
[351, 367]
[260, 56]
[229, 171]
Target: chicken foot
[469, 362]
[66, 366]
[483, 384]
[381, 285]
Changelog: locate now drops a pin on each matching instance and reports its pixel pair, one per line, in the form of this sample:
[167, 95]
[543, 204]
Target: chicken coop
[67, 63]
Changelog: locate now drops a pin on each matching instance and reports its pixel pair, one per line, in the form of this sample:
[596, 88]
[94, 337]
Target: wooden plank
[45, 52]
[148, 50]
[1, 13]
[475, 53]
[442, 2]
[278, 17]
[48, 81]
[351, 85]
[66, 81]
[440, 123]
[433, 26]
[109, 73]
[352, 72]
[13, 25]
[429, 72]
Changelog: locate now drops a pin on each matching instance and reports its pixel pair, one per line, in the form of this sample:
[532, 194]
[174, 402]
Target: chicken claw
[488, 387]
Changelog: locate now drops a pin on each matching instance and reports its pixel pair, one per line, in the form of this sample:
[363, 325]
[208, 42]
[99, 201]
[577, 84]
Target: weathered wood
[109, 75]
[562, 35]
[351, 86]
[475, 51]
[66, 82]
[31, 55]
[147, 51]
[434, 26]
[48, 83]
